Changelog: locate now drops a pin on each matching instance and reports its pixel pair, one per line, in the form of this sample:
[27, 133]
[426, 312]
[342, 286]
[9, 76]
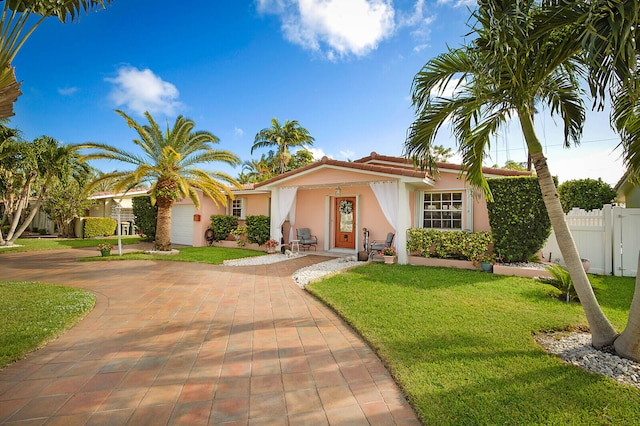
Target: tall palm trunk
[163, 225]
[628, 344]
[602, 332]
[166, 193]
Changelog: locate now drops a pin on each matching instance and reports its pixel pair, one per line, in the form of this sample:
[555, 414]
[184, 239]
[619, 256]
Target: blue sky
[342, 68]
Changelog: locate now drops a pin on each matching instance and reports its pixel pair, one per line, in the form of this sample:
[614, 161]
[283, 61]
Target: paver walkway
[187, 343]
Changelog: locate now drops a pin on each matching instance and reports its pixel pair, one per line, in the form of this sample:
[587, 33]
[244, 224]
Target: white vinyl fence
[609, 238]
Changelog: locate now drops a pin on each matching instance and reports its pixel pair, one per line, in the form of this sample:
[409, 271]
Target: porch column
[276, 231]
[404, 222]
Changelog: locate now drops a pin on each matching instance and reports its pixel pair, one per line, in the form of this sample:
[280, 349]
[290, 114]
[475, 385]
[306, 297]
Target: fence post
[607, 217]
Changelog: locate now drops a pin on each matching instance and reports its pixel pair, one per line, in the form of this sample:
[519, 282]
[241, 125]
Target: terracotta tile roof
[384, 164]
[406, 162]
[354, 165]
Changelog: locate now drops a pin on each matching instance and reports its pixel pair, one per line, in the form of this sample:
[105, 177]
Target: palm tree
[256, 170]
[16, 25]
[32, 169]
[168, 167]
[608, 32]
[282, 137]
[611, 37]
[503, 73]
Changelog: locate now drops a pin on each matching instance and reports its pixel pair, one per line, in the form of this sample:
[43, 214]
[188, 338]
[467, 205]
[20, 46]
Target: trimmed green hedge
[586, 194]
[222, 225]
[447, 244]
[99, 227]
[518, 217]
[258, 229]
[146, 217]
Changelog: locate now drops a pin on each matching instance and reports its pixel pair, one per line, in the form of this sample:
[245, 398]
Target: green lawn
[31, 244]
[460, 344]
[33, 313]
[212, 255]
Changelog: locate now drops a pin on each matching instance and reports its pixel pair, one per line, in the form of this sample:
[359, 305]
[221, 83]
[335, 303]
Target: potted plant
[389, 254]
[271, 245]
[486, 261]
[240, 235]
[105, 249]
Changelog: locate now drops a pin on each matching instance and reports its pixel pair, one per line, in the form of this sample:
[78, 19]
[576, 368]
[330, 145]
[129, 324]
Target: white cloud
[420, 47]
[318, 153]
[459, 3]
[142, 90]
[336, 28]
[448, 90]
[67, 91]
[238, 132]
[347, 154]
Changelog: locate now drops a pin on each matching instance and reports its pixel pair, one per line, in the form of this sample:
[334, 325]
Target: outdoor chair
[377, 246]
[306, 239]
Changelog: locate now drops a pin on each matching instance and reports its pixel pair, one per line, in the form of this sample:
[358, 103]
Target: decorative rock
[575, 348]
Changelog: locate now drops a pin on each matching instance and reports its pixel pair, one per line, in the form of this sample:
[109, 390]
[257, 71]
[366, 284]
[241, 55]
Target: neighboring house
[628, 192]
[337, 199]
[105, 206]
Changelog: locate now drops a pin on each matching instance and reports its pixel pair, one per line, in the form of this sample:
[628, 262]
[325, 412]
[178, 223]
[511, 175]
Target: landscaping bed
[526, 271]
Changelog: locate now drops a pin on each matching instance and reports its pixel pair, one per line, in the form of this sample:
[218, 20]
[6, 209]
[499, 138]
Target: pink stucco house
[337, 199]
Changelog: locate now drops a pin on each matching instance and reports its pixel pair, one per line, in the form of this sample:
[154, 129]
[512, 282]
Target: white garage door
[182, 225]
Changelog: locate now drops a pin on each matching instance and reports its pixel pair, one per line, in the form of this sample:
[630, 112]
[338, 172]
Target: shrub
[258, 229]
[560, 279]
[447, 244]
[586, 194]
[240, 234]
[222, 225]
[518, 217]
[146, 217]
[98, 227]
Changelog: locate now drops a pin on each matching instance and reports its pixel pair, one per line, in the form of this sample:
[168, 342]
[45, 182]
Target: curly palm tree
[503, 73]
[282, 137]
[168, 166]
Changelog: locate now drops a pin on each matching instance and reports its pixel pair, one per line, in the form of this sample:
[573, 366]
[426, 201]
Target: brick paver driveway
[186, 343]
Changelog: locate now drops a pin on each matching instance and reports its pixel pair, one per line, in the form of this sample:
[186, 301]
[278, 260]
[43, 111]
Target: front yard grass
[212, 255]
[32, 244]
[460, 344]
[33, 313]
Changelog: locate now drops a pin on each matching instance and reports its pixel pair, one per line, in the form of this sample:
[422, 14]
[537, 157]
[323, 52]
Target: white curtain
[287, 206]
[387, 195]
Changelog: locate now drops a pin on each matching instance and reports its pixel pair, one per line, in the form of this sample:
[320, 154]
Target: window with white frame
[238, 208]
[442, 210]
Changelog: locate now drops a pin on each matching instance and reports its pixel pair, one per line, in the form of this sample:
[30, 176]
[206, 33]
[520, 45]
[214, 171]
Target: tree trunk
[163, 225]
[23, 199]
[628, 344]
[602, 332]
[25, 223]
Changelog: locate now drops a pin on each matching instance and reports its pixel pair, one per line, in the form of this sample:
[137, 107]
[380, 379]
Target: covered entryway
[345, 226]
[182, 224]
